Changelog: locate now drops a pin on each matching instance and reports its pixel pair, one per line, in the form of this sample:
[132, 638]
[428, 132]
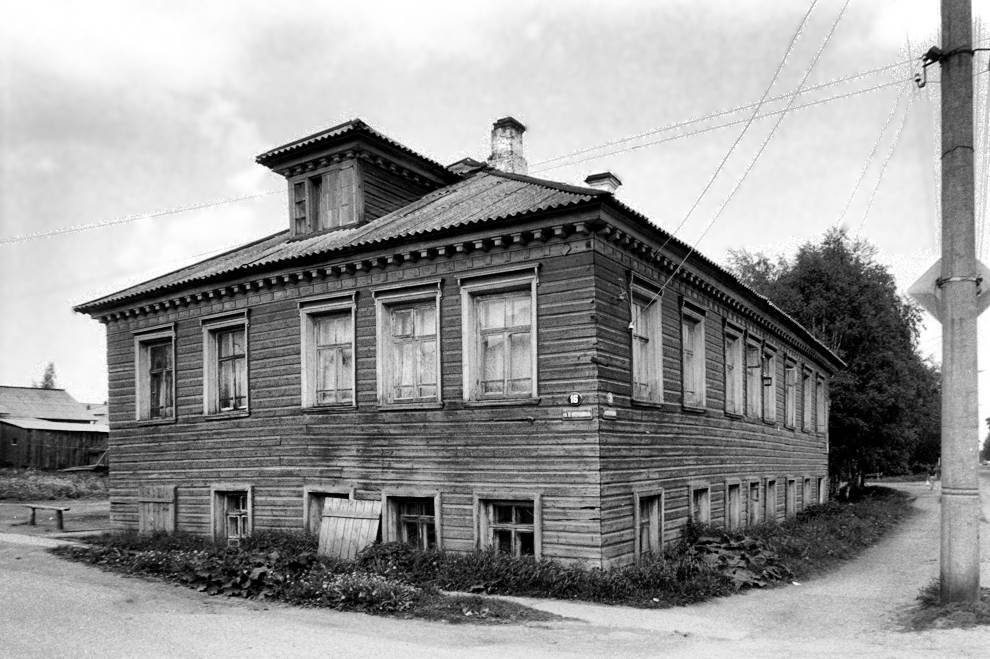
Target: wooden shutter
[348, 527]
[156, 508]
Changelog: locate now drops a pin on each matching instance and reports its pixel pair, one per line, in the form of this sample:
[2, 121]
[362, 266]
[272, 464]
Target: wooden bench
[58, 513]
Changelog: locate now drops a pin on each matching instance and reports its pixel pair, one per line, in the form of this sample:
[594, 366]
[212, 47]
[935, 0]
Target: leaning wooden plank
[348, 526]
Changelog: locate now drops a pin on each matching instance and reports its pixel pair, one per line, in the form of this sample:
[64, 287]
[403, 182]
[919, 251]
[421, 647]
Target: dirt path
[854, 610]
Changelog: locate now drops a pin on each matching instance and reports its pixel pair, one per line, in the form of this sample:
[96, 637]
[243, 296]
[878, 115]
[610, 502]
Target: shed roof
[57, 426]
[32, 402]
[487, 196]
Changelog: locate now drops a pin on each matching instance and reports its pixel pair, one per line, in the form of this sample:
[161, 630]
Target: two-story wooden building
[503, 361]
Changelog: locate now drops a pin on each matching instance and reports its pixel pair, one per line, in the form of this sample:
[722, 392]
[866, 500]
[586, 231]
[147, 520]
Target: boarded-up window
[647, 346]
[771, 500]
[693, 353]
[754, 503]
[733, 506]
[339, 197]
[807, 495]
[348, 527]
[648, 524]
[790, 498]
[315, 500]
[701, 505]
[156, 509]
[733, 372]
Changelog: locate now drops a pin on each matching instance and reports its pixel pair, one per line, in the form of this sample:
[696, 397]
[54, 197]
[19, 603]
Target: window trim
[399, 295]
[314, 222]
[790, 491]
[317, 489]
[742, 513]
[807, 399]
[770, 354]
[480, 499]
[758, 505]
[473, 287]
[821, 409]
[771, 505]
[697, 486]
[211, 326]
[754, 400]
[693, 314]
[390, 521]
[223, 489]
[790, 392]
[143, 339]
[638, 496]
[739, 386]
[308, 311]
[640, 288]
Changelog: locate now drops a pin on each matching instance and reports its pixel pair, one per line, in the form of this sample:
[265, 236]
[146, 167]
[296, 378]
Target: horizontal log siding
[386, 191]
[458, 450]
[663, 446]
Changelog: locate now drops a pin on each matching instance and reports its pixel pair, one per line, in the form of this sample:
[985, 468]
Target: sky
[115, 110]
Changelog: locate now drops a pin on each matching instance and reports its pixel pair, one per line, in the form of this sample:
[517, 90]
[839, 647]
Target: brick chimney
[606, 181]
[507, 146]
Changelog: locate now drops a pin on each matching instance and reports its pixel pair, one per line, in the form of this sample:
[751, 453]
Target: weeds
[34, 485]
[931, 613]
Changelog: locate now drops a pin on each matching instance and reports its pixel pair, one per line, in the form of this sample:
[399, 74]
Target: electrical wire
[883, 167]
[984, 173]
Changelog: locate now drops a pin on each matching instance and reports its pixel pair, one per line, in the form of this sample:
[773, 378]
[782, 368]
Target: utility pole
[959, 286]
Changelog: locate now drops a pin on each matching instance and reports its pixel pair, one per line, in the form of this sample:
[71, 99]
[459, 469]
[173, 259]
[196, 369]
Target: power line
[985, 171]
[133, 218]
[749, 122]
[883, 167]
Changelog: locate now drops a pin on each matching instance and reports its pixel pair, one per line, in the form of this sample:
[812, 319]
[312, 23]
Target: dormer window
[327, 200]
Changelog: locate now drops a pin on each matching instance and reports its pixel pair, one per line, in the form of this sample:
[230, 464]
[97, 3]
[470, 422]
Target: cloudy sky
[110, 110]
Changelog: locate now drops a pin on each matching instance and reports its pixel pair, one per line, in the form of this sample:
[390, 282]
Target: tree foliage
[47, 378]
[885, 405]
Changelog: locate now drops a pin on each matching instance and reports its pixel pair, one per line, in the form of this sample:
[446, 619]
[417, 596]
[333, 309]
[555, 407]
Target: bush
[35, 485]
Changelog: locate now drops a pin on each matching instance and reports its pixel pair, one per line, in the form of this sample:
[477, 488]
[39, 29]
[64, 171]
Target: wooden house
[47, 429]
[500, 360]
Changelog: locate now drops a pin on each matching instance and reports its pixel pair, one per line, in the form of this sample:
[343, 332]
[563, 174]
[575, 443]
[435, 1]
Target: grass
[35, 485]
[931, 613]
[394, 579]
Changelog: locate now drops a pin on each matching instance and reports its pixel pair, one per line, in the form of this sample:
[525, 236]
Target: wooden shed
[501, 361]
[47, 429]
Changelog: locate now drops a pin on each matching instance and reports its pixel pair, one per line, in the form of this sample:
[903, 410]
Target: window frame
[482, 527]
[309, 311]
[315, 199]
[771, 503]
[755, 512]
[807, 400]
[392, 520]
[144, 340]
[475, 287]
[213, 327]
[698, 375]
[821, 412]
[386, 300]
[313, 490]
[754, 394]
[693, 488]
[739, 522]
[218, 494]
[790, 392]
[734, 371]
[790, 497]
[656, 533]
[768, 360]
[640, 290]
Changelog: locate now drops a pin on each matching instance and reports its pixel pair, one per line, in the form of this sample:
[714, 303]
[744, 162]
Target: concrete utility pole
[960, 550]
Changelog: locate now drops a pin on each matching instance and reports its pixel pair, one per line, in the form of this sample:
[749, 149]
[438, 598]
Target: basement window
[232, 513]
[313, 500]
[733, 506]
[414, 521]
[648, 524]
[510, 526]
[790, 498]
[771, 500]
[753, 505]
[701, 504]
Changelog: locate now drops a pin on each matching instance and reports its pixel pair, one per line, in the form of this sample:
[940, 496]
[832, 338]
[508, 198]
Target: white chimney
[606, 181]
[507, 146]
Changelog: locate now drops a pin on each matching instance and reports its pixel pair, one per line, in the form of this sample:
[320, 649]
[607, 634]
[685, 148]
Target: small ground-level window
[509, 527]
[771, 500]
[754, 503]
[820, 490]
[701, 505]
[648, 524]
[807, 496]
[733, 506]
[232, 518]
[790, 498]
[415, 521]
[314, 499]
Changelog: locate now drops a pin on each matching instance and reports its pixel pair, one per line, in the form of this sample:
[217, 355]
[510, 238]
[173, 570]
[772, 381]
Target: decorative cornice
[321, 162]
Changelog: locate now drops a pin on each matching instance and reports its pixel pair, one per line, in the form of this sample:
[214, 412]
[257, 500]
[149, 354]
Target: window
[820, 490]
[807, 402]
[325, 201]
[701, 505]
[820, 418]
[328, 352]
[790, 394]
[313, 499]
[769, 375]
[412, 521]
[499, 337]
[647, 346]
[510, 526]
[408, 345]
[754, 380]
[232, 513]
[733, 506]
[154, 381]
[733, 372]
[807, 496]
[790, 498]
[771, 500]
[693, 357]
[648, 523]
[225, 385]
[754, 503]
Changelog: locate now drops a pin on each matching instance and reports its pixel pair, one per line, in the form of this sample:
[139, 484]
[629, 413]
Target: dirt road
[55, 608]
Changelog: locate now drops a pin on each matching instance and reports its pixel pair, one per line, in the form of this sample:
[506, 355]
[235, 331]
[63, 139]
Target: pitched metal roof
[485, 197]
[58, 426]
[52, 404]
